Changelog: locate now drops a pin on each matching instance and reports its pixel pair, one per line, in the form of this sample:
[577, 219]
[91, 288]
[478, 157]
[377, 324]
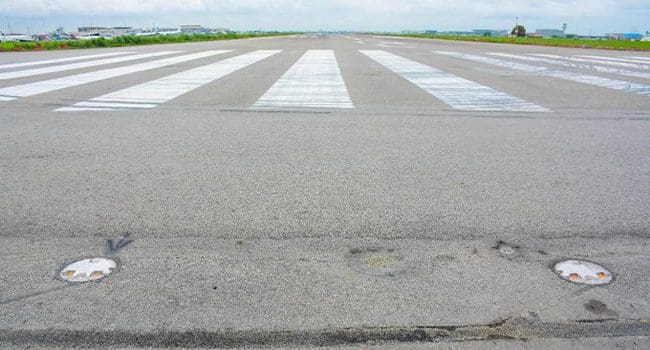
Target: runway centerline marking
[40, 87]
[314, 81]
[79, 65]
[152, 93]
[457, 92]
[614, 84]
[60, 60]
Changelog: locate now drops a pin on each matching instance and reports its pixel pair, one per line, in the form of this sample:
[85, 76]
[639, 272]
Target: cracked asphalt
[376, 226]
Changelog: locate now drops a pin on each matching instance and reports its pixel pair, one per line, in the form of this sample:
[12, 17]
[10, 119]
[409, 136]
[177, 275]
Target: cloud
[351, 14]
[469, 7]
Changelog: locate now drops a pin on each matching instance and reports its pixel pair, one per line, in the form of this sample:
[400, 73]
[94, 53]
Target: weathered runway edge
[520, 328]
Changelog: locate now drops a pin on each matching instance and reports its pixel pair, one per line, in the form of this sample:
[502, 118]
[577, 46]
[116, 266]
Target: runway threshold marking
[151, 94]
[40, 87]
[597, 61]
[61, 60]
[567, 64]
[614, 84]
[79, 65]
[641, 58]
[621, 85]
[642, 63]
[457, 92]
[314, 81]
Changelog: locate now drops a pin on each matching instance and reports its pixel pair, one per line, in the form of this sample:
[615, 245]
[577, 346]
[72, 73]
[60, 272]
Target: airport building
[101, 32]
[490, 32]
[550, 33]
[624, 36]
[193, 29]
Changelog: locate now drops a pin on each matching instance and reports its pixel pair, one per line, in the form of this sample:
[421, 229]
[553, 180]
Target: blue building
[624, 36]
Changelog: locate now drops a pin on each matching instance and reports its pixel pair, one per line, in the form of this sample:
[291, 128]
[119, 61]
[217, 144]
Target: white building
[550, 33]
[14, 37]
[193, 29]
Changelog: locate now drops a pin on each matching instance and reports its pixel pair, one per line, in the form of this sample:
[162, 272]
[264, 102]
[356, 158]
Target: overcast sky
[582, 16]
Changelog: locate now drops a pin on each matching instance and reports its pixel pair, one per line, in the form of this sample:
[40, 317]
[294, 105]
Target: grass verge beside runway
[561, 42]
[128, 41]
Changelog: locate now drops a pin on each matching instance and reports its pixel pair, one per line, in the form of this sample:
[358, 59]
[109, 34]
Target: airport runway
[250, 172]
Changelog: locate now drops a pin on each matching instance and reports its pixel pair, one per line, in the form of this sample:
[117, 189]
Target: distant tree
[519, 31]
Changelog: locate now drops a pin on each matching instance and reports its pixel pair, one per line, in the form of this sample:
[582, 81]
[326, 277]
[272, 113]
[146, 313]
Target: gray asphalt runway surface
[324, 190]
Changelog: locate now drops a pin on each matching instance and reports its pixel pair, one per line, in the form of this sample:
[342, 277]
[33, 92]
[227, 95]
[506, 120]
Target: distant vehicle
[14, 37]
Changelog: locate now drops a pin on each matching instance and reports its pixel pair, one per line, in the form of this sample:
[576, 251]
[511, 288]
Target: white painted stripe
[59, 60]
[314, 81]
[614, 84]
[104, 106]
[576, 65]
[619, 64]
[519, 57]
[80, 109]
[115, 105]
[40, 87]
[617, 59]
[56, 69]
[455, 91]
[153, 93]
[646, 59]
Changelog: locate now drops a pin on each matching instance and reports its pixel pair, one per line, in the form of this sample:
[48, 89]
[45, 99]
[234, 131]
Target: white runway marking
[314, 81]
[94, 105]
[455, 91]
[611, 63]
[576, 65]
[621, 85]
[56, 69]
[40, 87]
[641, 63]
[59, 60]
[646, 59]
[153, 93]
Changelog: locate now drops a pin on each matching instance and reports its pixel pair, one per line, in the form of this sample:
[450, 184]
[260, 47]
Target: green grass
[127, 41]
[562, 42]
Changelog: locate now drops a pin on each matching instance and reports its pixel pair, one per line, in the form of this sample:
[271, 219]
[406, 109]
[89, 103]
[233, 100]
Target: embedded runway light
[88, 270]
[583, 272]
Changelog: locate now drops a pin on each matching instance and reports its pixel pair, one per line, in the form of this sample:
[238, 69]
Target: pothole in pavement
[599, 308]
[376, 261]
[507, 250]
